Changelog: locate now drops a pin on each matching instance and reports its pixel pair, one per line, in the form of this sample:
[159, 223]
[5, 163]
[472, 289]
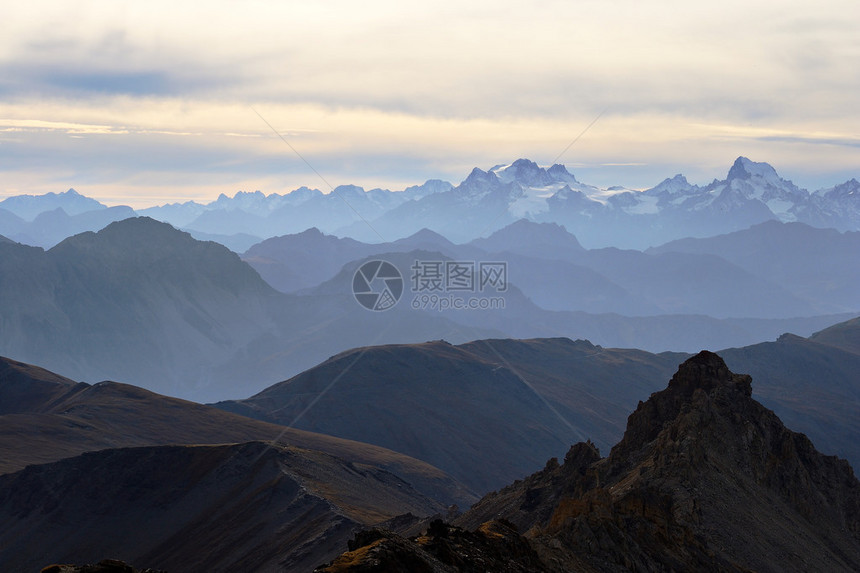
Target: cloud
[383, 93]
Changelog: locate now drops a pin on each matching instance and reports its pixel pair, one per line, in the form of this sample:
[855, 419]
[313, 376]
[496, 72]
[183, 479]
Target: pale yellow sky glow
[143, 103]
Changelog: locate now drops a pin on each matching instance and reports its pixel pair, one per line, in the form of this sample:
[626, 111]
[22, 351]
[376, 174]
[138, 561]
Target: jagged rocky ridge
[233, 507]
[103, 566]
[705, 479]
[484, 201]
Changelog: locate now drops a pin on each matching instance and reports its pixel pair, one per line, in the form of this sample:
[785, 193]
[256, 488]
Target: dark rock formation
[103, 566]
[705, 479]
[494, 546]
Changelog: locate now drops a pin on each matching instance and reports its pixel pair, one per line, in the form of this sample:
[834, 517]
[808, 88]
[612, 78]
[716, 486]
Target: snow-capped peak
[675, 185]
[524, 172]
[850, 188]
[560, 173]
[743, 168]
[529, 174]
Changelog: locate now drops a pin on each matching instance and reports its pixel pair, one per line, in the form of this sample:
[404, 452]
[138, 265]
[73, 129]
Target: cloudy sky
[148, 102]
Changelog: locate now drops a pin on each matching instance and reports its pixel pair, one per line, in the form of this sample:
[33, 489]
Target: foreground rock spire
[705, 479]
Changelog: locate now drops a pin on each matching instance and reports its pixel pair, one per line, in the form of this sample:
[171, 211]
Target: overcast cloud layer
[144, 103]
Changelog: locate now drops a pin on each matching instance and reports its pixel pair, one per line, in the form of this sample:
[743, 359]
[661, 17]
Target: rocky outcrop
[494, 546]
[234, 507]
[103, 566]
[705, 479]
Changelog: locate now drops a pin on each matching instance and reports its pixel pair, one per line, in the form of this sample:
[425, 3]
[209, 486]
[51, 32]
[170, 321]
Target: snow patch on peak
[479, 175]
[528, 173]
[850, 188]
[743, 168]
[560, 173]
[524, 172]
[675, 185]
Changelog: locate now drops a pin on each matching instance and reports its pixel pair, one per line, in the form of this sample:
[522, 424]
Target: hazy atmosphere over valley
[568, 286]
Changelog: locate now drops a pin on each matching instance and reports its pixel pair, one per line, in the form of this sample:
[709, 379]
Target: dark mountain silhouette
[550, 267]
[485, 412]
[28, 388]
[494, 546]
[103, 566]
[291, 263]
[45, 417]
[426, 240]
[589, 389]
[435, 401]
[559, 285]
[541, 240]
[143, 302]
[51, 227]
[704, 479]
[238, 243]
[845, 335]
[241, 507]
[813, 387]
[10, 223]
[818, 265]
[294, 262]
[681, 283]
[520, 317]
[137, 301]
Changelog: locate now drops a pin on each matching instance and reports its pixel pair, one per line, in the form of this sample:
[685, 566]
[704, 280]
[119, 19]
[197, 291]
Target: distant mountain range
[490, 410]
[484, 202]
[698, 462]
[771, 270]
[328, 418]
[142, 302]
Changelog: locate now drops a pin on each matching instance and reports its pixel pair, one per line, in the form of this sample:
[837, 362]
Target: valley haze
[429, 287]
[330, 415]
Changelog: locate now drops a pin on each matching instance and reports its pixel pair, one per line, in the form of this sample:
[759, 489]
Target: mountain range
[145, 303]
[704, 479]
[772, 279]
[242, 507]
[89, 470]
[483, 411]
[326, 418]
[484, 202]
[516, 403]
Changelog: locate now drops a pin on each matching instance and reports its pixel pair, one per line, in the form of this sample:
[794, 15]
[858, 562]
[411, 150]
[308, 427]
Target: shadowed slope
[845, 335]
[705, 479]
[486, 412]
[247, 507]
[50, 418]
